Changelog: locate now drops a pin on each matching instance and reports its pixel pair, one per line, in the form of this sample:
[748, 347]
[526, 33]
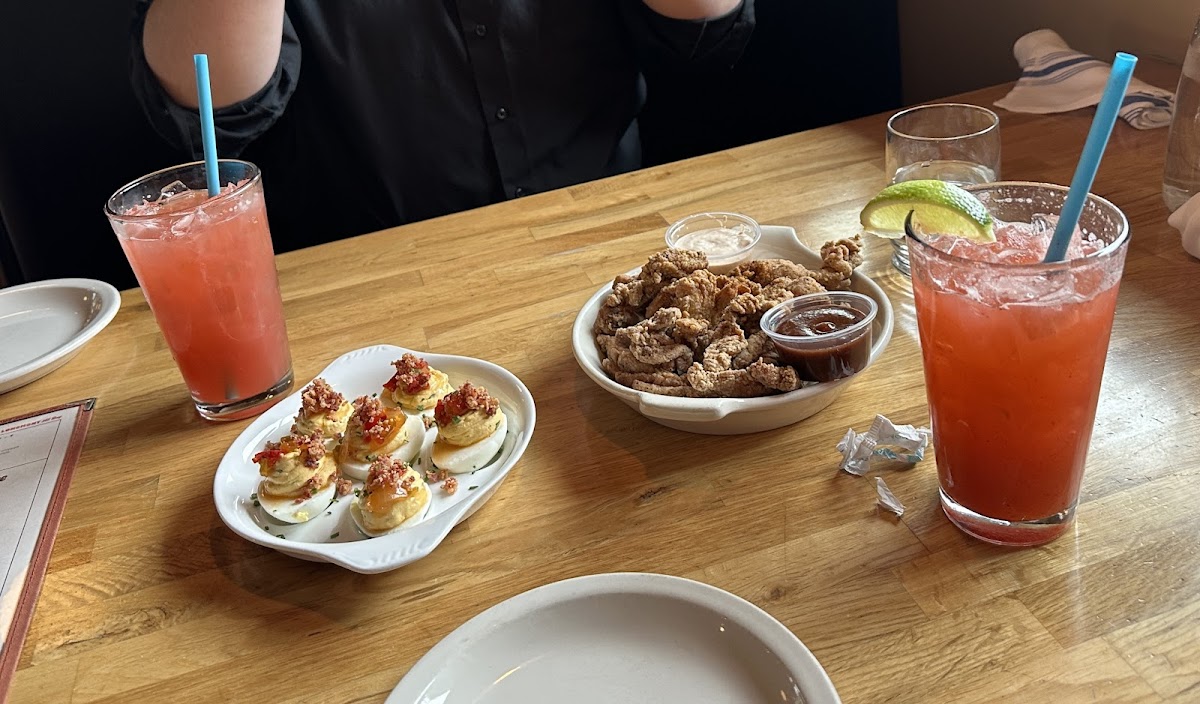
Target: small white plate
[45, 323]
[731, 416]
[628, 638]
[332, 536]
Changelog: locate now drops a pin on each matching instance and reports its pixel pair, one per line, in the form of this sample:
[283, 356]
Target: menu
[38, 453]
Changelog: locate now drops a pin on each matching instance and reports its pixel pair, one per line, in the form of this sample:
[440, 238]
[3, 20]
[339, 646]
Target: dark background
[71, 131]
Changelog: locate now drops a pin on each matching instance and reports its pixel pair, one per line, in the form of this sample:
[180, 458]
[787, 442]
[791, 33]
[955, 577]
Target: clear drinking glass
[1181, 172]
[1013, 356]
[207, 269]
[953, 142]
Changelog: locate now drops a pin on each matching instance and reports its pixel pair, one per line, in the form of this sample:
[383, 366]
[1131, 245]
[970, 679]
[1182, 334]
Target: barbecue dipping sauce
[816, 362]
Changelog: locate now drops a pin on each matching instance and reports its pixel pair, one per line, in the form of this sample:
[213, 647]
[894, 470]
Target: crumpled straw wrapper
[885, 440]
[887, 500]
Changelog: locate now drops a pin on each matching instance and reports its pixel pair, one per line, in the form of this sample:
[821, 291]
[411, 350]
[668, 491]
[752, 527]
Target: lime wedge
[938, 208]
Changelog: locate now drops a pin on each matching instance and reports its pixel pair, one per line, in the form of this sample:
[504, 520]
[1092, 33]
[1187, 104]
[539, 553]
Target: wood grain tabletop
[150, 598]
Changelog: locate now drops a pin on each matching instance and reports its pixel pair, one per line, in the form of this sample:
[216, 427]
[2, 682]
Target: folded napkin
[1186, 219]
[1056, 78]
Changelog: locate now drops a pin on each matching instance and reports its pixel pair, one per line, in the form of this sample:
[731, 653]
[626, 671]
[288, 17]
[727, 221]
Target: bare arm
[692, 9]
[241, 37]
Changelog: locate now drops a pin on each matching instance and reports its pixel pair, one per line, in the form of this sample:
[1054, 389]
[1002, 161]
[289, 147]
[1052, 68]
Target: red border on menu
[10, 654]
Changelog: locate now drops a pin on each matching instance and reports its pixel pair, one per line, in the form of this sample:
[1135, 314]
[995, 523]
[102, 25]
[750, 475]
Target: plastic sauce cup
[824, 336]
[725, 238]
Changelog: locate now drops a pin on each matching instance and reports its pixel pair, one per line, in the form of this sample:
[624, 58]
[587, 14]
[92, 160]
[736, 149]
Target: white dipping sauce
[723, 245]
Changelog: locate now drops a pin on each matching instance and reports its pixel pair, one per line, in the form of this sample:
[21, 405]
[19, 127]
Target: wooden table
[150, 598]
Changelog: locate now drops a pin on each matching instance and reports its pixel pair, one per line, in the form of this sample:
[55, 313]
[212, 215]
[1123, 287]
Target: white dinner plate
[332, 536]
[629, 638]
[45, 323]
[730, 416]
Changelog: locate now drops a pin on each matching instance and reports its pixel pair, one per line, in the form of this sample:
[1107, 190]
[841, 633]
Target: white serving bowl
[734, 416]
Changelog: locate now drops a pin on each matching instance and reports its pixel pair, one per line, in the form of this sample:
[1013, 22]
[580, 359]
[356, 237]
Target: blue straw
[1093, 149]
[208, 133]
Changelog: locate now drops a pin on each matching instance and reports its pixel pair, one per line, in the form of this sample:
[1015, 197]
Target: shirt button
[481, 30]
[520, 191]
[501, 113]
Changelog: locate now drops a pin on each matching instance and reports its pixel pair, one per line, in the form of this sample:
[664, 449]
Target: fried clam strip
[774, 376]
[733, 367]
[758, 379]
[647, 347]
[747, 309]
[626, 304]
[662, 384]
[728, 342]
[838, 261]
[702, 294]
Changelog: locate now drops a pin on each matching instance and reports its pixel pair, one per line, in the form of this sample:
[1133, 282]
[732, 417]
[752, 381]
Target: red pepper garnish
[412, 372]
[373, 420]
[270, 455]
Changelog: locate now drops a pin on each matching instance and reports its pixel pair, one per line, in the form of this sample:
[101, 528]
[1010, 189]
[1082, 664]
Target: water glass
[953, 142]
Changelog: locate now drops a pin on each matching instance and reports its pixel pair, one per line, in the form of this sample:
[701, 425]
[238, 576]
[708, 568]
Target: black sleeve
[236, 125]
[673, 45]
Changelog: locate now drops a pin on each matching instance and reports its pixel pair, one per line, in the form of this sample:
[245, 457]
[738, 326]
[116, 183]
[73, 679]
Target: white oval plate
[45, 323]
[629, 638]
[731, 416]
[332, 537]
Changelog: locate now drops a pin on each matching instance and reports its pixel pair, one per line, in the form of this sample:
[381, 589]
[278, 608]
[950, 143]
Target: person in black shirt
[365, 115]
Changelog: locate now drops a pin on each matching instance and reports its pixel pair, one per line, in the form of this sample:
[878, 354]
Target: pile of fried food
[678, 329]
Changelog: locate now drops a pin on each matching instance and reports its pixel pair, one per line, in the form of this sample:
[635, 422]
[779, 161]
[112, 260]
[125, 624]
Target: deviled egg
[323, 409]
[298, 478]
[416, 387]
[375, 430]
[471, 429]
[393, 496]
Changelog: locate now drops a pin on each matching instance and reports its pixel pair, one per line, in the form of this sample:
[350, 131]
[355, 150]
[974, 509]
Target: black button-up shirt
[411, 109]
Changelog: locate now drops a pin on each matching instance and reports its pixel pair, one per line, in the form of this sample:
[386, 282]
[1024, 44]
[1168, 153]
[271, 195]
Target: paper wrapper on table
[1186, 219]
[887, 500]
[884, 440]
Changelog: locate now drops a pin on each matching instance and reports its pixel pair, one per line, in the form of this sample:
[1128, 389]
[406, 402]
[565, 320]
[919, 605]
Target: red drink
[1014, 353]
[207, 269]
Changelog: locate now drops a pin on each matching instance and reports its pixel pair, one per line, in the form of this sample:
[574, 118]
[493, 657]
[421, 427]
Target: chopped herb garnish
[281, 535]
[375, 395]
[457, 420]
[370, 458]
[358, 492]
[267, 528]
[420, 409]
[334, 535]
[254, 496]
[256, 504]
[472, 488]
[329, 513]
